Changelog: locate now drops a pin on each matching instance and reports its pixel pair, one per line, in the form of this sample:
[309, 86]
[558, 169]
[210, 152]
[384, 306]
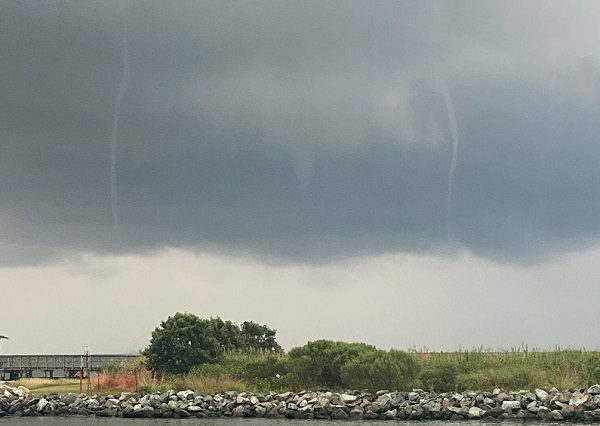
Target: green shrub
[375, 370]
[593, 370]
[209, 370]
[440, 377]
[265, 370]
[319, 363]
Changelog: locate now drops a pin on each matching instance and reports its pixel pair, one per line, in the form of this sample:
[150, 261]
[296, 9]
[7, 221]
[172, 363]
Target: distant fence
[17, 366]
[122, 382]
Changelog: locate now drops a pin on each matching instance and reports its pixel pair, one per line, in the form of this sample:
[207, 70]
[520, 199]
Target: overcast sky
[404, 173]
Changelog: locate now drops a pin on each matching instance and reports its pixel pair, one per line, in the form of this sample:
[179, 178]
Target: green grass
[438, 371]
[517, 368]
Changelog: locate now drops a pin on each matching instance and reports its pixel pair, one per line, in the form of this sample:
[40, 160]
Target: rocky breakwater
[540, 404]
[8, 393]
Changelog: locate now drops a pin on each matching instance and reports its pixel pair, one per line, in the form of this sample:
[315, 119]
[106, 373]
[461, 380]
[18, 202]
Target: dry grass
[37, 383]
[204, 384]
[99, 383]
[40, 386]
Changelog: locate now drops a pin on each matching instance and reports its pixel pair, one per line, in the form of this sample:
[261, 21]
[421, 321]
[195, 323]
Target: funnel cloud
[454, 134]
[114, 140]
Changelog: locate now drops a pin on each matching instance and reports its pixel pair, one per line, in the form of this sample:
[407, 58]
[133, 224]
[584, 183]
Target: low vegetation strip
[212, 355]
[540, 404]
[339, 365]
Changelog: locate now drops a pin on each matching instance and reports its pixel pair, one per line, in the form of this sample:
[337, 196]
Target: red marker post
[79, 374]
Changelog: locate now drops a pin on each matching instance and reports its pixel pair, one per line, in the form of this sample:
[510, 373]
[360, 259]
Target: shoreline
[582, 405]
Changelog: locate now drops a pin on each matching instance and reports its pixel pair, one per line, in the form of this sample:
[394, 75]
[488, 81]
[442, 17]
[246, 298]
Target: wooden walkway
[18, 366]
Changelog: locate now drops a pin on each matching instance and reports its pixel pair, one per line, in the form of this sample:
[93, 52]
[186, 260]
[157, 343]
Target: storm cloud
[300, 131]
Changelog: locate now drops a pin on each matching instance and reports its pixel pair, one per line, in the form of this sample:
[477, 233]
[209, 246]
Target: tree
[182, 342]
[227, 333]
[258, 336]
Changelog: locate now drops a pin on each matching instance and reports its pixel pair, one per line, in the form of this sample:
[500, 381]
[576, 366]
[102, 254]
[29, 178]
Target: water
[76, 420]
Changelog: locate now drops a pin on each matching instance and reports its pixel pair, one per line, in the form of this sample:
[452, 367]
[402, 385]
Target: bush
[263, 368]
[593, 370]
[267, 373]
[376, 370]
[319, 363]
[439, 377]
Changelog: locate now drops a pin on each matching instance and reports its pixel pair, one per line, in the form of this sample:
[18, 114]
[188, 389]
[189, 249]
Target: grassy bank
[515, 369]
[366, 368]
[338, 366]
[477, 370]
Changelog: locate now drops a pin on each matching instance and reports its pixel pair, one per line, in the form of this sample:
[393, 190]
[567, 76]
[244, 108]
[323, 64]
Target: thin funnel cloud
[447, 96]
[115, 127]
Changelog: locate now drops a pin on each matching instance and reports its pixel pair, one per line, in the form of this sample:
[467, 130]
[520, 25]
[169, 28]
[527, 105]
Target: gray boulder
[542, 395]
[238, 411]
[594, 390]
[340, 415]
[41, 405]
[476, 413]
[390, 414]
[578, 399]
[510, 406]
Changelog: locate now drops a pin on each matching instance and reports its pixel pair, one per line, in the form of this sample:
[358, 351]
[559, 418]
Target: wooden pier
[13, 367]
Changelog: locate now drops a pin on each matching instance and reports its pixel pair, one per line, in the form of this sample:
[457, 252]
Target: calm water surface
[56, 421]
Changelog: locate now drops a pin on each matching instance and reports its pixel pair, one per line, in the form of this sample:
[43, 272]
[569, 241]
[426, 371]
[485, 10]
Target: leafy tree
[227, 333]
[319, 363]
[258, 336]
[182, 342]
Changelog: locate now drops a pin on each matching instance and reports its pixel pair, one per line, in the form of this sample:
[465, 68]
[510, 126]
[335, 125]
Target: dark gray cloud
[301, 131]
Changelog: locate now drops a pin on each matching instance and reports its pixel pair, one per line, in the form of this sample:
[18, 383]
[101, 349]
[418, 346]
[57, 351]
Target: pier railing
[16, 366]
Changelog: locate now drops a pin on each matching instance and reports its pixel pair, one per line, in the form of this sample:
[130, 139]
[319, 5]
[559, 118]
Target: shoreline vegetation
[240, 370]
[213, 355]
[320, 365]
[338, 366]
